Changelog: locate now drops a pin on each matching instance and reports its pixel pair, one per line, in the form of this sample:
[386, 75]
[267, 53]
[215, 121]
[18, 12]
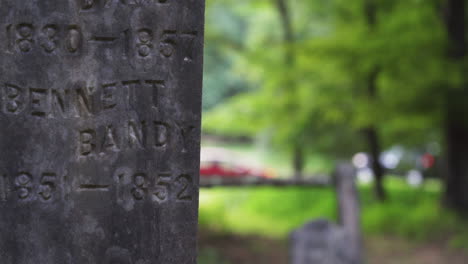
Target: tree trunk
[298, 162]
[456, 136]
[456, 123]
[289, 57]
[373, 141]
[286, 23]
[371, 133]
[375, 150]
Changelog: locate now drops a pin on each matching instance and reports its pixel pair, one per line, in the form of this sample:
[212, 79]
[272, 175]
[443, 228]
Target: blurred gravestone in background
[100, 126]
[322, 242]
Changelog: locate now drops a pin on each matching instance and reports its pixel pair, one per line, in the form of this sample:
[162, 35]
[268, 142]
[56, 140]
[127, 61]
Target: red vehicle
[220, 163]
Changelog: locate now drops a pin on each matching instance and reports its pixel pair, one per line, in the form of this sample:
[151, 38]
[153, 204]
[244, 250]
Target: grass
[413, 214]
[210, 256]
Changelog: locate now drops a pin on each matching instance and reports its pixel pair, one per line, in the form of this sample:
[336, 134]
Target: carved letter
[87, 142]
[83, 101]
[185, 132]
[38, 99]
[161, 134]
[136, 137]
[109, 140]
[108, 96]
[58, 101]
[156, 85]
[131, 85]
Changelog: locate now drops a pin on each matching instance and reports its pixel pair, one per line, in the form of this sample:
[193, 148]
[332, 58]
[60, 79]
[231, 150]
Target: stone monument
[100, 123]
[320, 242]
[323, 242]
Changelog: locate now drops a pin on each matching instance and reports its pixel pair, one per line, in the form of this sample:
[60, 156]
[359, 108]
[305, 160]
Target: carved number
[188, 41]
[25, 187]
[23, 38]
[140, 186]
[144, 42]
[170, 42]
[161, 192]
[47, 186]
[170, 39]
[73, 40]
[49, 44]
[185, 182]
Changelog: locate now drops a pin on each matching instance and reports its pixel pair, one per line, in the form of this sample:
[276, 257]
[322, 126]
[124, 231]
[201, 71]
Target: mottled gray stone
[100, 124]
[321, 242]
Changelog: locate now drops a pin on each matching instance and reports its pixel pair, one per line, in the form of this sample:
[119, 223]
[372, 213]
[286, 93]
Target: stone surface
[321, 242]
[100, 123]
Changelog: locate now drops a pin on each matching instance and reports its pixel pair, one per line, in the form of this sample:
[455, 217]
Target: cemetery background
[300, 85]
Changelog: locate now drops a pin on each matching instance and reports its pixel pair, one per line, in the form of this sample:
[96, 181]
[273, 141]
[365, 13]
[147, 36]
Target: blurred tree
[371, 132]
[337, 69]
[289, 61]
[370, 42]
[456, 110]
[224, 39]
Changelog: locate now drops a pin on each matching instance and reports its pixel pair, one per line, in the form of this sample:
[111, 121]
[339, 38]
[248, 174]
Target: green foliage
[409, 213]
[263, 210]
[319, 98]
[222, 39]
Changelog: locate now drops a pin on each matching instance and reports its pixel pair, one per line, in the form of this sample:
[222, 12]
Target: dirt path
[259, 250]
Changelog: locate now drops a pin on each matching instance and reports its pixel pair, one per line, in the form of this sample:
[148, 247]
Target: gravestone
[100, 124]
[322, 242]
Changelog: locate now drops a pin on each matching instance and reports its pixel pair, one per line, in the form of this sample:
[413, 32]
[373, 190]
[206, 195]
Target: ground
[252, 224]
[221, 248]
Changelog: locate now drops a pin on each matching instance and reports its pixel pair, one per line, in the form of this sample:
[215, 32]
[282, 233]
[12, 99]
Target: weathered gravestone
[322, 242]
[99, 122]
[319, 242]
